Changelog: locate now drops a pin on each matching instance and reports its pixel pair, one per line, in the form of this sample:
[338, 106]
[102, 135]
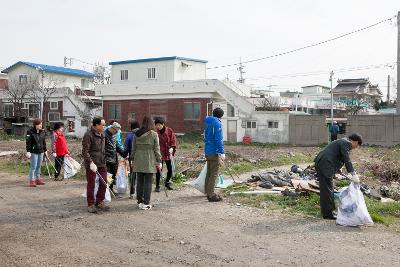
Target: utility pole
[398, 64]
[66, 59]
[388, 90]
[331, 80]
[241, 71]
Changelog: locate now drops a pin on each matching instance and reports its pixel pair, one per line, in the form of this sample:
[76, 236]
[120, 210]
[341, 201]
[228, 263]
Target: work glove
[93, 167]
[222, 156]
[355, 178]
[158, 167]
[171, 151]
[54, 154]
[28, 155]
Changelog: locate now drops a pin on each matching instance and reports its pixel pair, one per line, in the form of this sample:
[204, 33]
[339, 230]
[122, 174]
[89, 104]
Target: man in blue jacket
[214, 151]
[334, 130]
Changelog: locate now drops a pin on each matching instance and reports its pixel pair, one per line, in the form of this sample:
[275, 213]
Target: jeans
[36, 164]
[212, 174]
[143, 187]
[59, 162]
[91, 182]
[169, 173]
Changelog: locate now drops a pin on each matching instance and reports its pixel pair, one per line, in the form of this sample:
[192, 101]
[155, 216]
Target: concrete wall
[307, 130]
[383, 130]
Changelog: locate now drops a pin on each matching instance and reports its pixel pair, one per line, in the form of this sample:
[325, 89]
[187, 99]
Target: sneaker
[40, 182]
[140, 205]
[157, 189]
[102, 206]
[146, 207]
[92, 209]
[32, 183]
[168, 186]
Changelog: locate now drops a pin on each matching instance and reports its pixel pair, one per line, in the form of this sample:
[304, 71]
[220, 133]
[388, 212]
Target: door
[232, 131]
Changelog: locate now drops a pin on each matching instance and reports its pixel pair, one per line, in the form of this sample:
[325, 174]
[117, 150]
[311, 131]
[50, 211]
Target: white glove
[171, 150]
[222, 156]
[28, 155]
[93, 167]
[355, 178]
[54, 154]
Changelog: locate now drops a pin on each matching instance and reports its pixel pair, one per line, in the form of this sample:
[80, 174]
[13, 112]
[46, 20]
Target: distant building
[71, 101]
[357, 92]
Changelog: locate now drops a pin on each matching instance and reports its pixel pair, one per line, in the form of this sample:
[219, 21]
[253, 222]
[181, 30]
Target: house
[51, 93]
[357, 92]
[177, 89]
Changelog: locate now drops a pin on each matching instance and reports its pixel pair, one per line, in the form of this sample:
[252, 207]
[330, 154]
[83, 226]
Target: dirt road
[49, 226]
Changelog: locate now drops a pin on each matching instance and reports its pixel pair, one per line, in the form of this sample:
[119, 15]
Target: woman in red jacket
[167, 140]
[60, 149]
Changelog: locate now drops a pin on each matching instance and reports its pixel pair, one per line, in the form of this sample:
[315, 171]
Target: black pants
[326, 196]
[143, 187]
[169, 173]
[333, 137]
[132, 179]
[112, 168]
[59, 162]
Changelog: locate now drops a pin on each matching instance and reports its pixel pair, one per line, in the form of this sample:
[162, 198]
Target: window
[151, 73]
[54, 105]
[114, 111]
[251, 125]
[124, 75]
[84, 83]
[8, 110]
[231, 111]
[54, 116]
[273, 124]
[23, 79]
[33, 110]
[192, 111]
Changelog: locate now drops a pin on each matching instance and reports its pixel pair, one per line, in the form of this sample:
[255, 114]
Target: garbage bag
[122, 178]
[352, 210]
[71, 167]
[200, 182]
[107, 198]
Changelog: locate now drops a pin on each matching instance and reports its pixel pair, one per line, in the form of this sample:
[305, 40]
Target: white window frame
[52, 108]
[274, 123]
[25, 78]
[4, 109]
[151, 73]
[52, 112]
[124, 75]
[253, 125]
[192, 119]
[85, 83]
[120, 111]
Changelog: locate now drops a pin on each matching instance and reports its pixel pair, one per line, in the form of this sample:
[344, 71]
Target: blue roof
[157, 59]
[53, 69]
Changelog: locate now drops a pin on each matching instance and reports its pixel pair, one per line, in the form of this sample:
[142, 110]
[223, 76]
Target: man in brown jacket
[93, 150]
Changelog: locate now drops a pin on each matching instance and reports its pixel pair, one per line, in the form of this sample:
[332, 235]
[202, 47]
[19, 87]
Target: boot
[168, 186]
[157, 189]
[102, 206]
[215, 198]
[92, 209]
[40, 182]
[32, 183]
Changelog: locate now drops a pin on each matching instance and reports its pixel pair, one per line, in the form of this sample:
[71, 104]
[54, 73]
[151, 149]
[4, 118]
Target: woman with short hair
[35, 148]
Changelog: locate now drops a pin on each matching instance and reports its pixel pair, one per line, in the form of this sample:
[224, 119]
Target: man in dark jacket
[214, 151]
[111, 150]
[329, 162]
[129, 141]
[93, 151]
[167, 141]
[334, 130]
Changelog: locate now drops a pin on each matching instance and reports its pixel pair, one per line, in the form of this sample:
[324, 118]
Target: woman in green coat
[146, 161]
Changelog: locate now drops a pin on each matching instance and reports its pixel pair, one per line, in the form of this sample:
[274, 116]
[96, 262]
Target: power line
[307, 46]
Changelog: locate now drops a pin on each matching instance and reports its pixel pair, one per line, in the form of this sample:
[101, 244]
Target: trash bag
[71, 167]
[200, 182]
[107, 198]
[122, 178]
[352, 210]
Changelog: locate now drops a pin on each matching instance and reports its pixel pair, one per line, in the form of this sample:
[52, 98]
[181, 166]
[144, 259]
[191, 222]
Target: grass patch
[342, 183]
[238, 168]
[178, 179]
[384, 213]
[262, 145]
[189, 141]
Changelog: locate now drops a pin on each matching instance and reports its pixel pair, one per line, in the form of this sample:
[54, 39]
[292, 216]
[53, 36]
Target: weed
[342, 183]
[178, 178]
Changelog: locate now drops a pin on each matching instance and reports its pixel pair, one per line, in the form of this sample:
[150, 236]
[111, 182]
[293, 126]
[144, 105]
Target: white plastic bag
[200, 182]
[352, 210]
[107, 198]
[122, 178]
[71, 167]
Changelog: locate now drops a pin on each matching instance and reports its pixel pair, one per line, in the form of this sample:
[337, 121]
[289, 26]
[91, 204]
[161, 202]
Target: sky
[220, 31]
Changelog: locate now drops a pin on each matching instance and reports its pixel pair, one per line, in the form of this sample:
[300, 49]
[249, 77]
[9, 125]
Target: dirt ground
[49, 226]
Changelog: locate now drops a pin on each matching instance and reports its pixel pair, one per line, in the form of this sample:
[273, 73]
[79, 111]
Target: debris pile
[388, 172]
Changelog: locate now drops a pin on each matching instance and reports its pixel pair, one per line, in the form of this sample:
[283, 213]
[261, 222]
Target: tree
[102, 74]
[268, 104]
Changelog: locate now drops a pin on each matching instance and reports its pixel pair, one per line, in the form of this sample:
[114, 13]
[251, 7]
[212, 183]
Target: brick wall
[46, 108]
[171, 109]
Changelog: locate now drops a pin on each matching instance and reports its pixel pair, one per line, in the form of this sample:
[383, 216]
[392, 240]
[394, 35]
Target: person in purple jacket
[129, 140]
